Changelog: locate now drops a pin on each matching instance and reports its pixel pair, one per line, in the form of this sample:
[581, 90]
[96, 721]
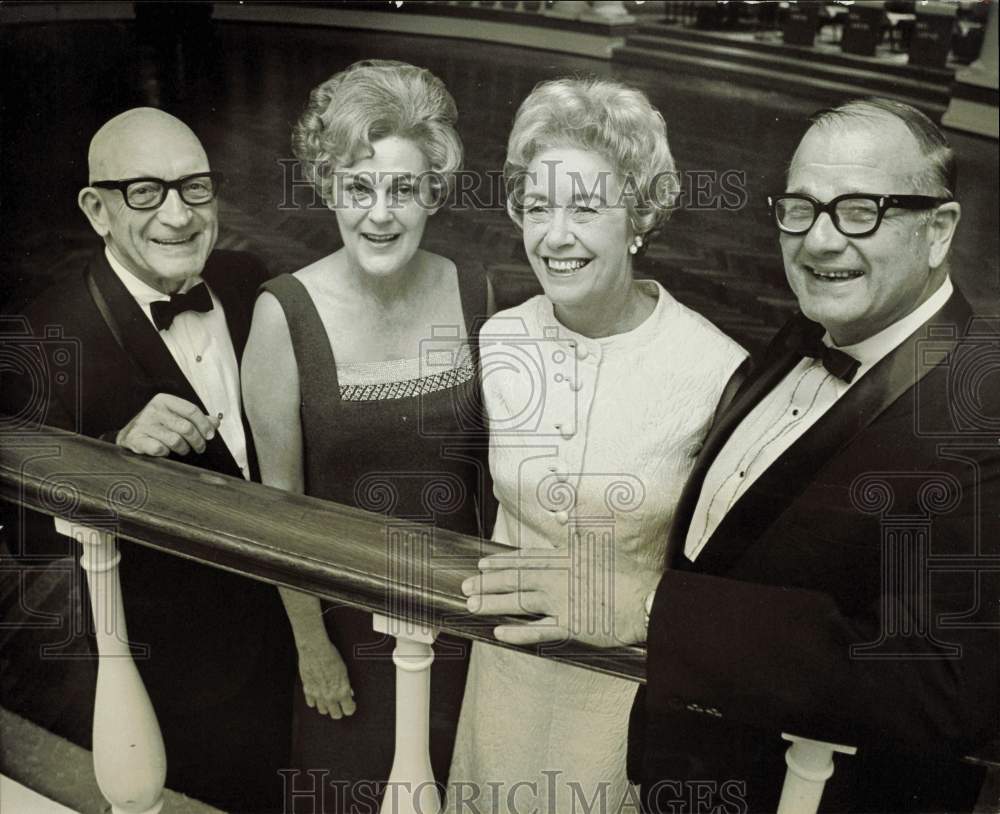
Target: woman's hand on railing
[568, 587]
[325, 681]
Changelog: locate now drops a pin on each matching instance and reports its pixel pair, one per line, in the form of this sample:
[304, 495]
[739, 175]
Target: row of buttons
[581, 352]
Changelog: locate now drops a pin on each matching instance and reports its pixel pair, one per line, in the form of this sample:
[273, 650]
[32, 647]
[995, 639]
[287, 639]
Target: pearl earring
[636, 244]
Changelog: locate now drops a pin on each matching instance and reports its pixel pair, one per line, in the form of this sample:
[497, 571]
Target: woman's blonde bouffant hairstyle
[609, 118]
[371, 100]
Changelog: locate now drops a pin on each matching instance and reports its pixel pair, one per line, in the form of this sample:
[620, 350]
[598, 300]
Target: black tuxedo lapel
[154, 366]
[151, 360]
[788, 477]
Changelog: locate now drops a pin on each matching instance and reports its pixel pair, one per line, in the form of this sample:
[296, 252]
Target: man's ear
[92, 205]
[941, 229]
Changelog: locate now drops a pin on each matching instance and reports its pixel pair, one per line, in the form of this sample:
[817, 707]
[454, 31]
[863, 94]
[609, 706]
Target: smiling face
[380, 212]
[857, 286]
[163, 247]
[577, 231]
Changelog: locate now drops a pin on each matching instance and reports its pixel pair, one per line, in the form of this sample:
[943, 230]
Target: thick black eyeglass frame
[165, 186]
[882, 202]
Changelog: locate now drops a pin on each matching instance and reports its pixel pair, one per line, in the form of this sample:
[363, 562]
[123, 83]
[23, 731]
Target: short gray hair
[941, 177]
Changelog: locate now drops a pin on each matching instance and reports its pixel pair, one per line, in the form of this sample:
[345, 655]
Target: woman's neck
[612, 317]
[388, 291]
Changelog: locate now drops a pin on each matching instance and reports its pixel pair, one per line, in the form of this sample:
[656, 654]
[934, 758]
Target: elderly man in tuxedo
[832, 567]
[160, 320]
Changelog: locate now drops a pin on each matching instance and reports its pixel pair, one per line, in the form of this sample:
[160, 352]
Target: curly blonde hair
[606, 117]
[371, 100]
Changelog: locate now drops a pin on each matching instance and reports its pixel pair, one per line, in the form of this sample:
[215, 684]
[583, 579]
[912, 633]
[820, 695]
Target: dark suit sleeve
[784, 657]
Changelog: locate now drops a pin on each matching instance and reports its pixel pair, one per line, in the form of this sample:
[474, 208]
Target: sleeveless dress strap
[310, 342]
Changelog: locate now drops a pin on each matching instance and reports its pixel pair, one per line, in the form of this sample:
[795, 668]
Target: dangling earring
[636, 244]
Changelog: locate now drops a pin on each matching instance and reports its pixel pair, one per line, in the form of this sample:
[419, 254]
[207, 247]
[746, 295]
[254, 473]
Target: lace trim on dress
[378, 381]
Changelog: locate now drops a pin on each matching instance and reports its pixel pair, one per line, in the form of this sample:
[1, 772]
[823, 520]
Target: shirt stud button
[197, 358]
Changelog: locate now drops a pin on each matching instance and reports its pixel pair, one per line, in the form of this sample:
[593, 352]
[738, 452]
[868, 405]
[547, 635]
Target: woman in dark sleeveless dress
[360, 385]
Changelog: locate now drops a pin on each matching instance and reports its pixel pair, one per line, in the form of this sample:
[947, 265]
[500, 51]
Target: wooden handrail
[332, 551]
[323, 548]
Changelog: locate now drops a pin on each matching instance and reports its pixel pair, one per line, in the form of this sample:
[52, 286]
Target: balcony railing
[97, 493]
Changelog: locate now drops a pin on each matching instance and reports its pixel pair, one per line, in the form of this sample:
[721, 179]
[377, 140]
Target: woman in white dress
[598, 395]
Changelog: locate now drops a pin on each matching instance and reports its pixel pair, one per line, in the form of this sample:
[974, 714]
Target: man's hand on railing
[168, 424]
[587, 592]
[324, 677]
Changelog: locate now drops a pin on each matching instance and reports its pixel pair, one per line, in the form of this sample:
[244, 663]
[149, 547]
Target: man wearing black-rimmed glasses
[833, 568]
[160, 318]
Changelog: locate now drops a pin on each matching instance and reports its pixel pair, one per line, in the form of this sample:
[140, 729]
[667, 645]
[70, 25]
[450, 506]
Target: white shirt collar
[142, 292]
[874, 348]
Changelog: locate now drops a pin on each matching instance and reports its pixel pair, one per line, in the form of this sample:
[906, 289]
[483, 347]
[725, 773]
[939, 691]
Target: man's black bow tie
[164, 311]
[840, 364]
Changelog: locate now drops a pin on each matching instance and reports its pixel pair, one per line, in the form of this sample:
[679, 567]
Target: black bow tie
[840, 364]
[164, 311]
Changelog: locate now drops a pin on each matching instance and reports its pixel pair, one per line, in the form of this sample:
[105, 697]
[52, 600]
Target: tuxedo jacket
[849, 596]
[205, 641]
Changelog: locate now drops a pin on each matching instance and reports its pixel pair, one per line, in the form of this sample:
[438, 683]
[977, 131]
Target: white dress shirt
[784, 415]
[203, 350]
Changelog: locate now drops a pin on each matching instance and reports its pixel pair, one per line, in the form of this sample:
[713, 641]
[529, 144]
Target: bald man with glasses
[833, 568]
[160, 318]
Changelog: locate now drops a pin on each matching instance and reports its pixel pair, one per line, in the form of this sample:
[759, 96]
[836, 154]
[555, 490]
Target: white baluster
[810, 765]
[129, 759]
[411, 781]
